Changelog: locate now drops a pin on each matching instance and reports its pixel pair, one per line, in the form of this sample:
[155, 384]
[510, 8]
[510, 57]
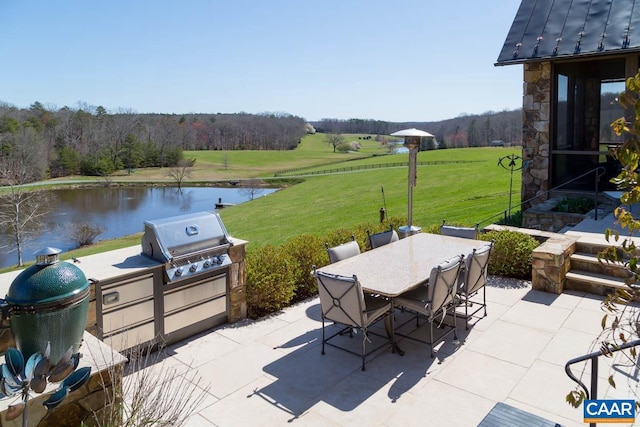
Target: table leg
[389, 328]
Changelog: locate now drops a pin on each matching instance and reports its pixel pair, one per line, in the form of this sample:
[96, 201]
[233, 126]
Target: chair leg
[322, 335]
[364, 348]
[432, 338]
[484, 299]
[466, 312]
[455, 328]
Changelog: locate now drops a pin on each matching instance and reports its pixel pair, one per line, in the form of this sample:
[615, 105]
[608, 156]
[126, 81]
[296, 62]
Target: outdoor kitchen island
[136, 299]
[129, 298]
[135, 305]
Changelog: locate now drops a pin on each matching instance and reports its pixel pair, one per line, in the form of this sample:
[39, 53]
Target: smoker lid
[184, 234]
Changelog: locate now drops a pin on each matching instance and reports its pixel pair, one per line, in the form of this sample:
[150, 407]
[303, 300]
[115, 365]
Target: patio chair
[343, 302]
[383, 238]
[343, 251]
[464, 232]
[435, 300]
[473, 279]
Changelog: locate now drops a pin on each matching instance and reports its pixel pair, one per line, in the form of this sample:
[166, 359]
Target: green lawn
[253, 163]
[464, 193]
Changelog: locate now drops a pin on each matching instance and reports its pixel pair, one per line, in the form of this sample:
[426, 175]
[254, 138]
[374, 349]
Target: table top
[402, 265]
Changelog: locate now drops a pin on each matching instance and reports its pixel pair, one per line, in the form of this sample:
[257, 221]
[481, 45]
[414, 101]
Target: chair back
[443, 283]
[476, 268]
[341, 299]
[383, 238]
[464, 232]
[343, 251]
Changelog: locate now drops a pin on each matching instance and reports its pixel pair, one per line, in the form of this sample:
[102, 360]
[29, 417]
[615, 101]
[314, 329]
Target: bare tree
[181, 171]
[165, 133]
[84, 233]
[334, 139]
[252, 188]
[23, 207]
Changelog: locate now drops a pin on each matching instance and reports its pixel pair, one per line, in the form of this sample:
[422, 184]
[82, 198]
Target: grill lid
[174, 237]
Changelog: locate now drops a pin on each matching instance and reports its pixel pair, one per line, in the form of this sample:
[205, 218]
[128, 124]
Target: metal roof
[556, 29]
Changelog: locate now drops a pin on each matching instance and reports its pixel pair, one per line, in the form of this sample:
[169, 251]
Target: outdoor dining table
[403, 265]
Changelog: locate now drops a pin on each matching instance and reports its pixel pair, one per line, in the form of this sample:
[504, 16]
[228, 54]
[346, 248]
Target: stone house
[576, 56]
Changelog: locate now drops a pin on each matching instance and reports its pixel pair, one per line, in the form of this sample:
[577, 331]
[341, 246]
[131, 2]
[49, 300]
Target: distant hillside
[463, 131]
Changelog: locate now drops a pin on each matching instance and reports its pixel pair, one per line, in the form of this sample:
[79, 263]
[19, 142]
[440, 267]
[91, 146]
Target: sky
[402, 60]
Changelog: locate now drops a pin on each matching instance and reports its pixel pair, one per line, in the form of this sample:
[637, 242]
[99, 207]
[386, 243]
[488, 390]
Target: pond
[121, 211]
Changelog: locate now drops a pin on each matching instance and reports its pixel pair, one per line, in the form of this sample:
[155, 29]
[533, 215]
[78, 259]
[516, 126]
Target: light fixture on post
[412, 139]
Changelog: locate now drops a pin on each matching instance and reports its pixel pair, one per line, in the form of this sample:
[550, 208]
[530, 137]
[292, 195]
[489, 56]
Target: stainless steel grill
[189, 245]
[193, 293]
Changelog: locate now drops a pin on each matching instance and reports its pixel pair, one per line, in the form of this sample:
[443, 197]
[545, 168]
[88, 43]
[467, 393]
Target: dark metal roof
[550, 29]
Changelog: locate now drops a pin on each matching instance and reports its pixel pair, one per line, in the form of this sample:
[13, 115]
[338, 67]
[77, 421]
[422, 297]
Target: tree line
[462, 131]
[88, 140]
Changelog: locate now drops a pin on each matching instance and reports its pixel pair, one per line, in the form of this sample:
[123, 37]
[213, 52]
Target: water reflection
[121, 211]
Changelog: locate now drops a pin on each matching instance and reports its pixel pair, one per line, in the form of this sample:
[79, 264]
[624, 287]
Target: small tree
[85, 233]
[252, 189]
[181, 171]
[334, 139]
[23, 208]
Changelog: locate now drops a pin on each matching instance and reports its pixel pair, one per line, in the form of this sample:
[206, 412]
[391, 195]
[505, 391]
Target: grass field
[464, 193]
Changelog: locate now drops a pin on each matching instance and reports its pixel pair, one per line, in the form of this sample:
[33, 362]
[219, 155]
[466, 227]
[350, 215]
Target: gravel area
[507, 282]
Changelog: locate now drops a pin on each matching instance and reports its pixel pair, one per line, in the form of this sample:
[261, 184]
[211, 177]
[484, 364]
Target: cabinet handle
[111, 298]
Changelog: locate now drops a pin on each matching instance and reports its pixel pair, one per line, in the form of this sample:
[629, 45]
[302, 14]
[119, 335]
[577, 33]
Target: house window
[585, 104]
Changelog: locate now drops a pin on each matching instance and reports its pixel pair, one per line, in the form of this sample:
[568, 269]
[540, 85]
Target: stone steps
[595, 283]
[589, 274]
[589, 262]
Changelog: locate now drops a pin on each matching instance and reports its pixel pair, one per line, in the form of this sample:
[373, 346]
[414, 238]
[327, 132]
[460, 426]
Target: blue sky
[403, 60]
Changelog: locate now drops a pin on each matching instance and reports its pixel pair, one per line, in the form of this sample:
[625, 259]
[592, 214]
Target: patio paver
[271, 373]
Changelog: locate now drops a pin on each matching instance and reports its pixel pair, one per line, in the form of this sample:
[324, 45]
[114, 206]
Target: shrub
[511, 254]
[270, 280]
[84, 233]
[579, 205]
[305, 250]
[514, 220]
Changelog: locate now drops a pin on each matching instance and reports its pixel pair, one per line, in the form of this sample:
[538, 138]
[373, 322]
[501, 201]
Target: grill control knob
[179, 271]
[206, 264]
[193, 268]
[214, 260]
[220, 259]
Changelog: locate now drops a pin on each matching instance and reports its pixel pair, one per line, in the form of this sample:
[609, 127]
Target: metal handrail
[594, 367]
[599, 171]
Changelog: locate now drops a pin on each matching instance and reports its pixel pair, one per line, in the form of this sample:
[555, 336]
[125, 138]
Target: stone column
[536, 105]
[237, 282]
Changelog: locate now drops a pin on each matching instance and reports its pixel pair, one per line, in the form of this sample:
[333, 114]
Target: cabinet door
[189, 304]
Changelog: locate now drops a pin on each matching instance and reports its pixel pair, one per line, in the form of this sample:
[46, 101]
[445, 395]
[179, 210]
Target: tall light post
[412, 142]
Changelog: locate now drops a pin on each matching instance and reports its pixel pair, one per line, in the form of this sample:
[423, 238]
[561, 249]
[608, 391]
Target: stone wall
[536, 106]
[551, 261]
[543, 217]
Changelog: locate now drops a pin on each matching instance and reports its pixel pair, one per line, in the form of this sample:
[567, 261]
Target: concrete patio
[271, 372]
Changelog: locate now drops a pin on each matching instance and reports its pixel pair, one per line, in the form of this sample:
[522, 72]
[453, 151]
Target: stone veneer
[237, 282]
[551, 261]
[536, 106]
